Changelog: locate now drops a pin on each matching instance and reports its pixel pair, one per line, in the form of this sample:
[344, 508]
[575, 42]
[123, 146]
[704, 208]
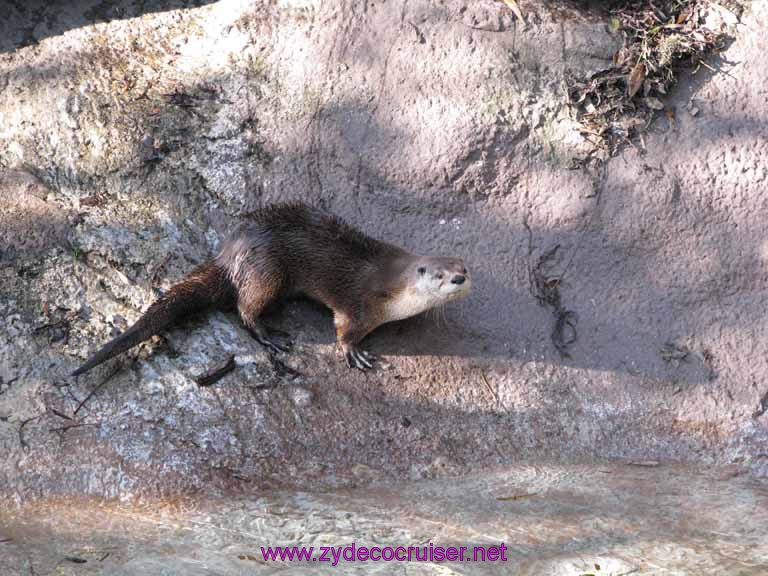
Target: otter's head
[442, 278]
[429, 282]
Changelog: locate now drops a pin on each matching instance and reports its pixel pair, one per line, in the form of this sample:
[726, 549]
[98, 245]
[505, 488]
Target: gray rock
[129, 145]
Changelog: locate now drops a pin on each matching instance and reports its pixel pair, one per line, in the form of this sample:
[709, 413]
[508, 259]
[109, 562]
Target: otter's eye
[422, 270]
[439, 276]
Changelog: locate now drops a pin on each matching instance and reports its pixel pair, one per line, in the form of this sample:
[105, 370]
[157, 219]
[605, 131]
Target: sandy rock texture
[132, 135]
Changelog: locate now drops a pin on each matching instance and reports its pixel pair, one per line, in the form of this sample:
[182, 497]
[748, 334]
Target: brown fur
[291, 249]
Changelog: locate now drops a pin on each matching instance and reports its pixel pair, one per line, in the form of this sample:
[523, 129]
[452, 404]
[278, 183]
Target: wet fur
[285, 250]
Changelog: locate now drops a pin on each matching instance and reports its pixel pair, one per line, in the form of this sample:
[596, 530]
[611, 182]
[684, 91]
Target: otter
[293, 249]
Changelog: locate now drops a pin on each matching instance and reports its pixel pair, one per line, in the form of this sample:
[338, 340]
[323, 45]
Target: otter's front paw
[360, 359]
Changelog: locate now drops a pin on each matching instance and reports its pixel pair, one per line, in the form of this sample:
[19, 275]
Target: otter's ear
[422, 270]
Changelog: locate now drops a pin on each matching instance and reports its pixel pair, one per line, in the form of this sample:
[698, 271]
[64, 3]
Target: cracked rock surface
[133, 134]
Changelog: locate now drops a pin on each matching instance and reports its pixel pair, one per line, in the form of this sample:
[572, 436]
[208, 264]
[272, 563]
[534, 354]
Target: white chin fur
[416, 301]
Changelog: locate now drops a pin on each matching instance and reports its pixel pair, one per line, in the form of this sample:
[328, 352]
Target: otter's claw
[274, 340]
[360, 359]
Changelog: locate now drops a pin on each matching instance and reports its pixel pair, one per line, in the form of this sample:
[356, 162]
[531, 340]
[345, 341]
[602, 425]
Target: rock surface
[554, 520]
[133, 133]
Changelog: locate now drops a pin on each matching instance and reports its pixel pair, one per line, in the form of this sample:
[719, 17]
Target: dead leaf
[654, 103]
[94, 200]
[726, 17]
[250, 557]
[515, 497]
[516, 9]
[636, 78]
[671, 117]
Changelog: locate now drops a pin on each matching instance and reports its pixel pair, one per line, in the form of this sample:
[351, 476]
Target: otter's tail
[206, 286]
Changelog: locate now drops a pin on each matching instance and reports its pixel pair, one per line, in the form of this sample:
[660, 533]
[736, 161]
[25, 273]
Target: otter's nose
[458, 279]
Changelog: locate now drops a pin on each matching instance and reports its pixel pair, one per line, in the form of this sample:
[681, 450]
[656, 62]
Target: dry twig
[216, 373]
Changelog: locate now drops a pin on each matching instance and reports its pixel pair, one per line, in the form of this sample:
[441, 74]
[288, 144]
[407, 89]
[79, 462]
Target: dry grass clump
[660, 37]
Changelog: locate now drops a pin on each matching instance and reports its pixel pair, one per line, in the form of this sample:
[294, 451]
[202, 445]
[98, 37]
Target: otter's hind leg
[254, 295]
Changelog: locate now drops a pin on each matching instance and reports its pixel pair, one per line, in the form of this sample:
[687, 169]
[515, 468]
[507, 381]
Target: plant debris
[488, 387]
[762, 407]
[546, 290]
[216, 373]
[673, 352]
[660, 36]
[516, 496]
[512, 4]
[115, 369]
